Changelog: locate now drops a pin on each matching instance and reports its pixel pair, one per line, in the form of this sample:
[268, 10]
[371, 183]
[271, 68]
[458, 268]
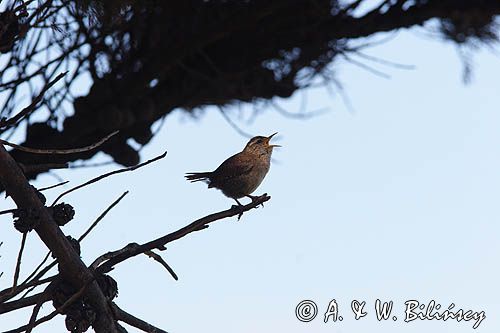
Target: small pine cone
[108, 286]
[26, 219]
[63, 213]
[40, 195]
[74, 244]
[61, 293]
[80, 319]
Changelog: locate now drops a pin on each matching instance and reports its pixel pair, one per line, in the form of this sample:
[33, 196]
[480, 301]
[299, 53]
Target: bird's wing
[235, 166]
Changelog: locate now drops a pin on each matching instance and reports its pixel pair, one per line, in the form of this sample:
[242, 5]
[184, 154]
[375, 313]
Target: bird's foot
[238, 206]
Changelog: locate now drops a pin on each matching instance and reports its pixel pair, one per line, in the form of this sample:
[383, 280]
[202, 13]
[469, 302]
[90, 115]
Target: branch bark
[23, 302]
[71, 266]
[110, 259]
[134, 321]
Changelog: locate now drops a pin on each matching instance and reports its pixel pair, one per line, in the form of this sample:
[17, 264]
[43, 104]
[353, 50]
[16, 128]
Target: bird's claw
[238, 207]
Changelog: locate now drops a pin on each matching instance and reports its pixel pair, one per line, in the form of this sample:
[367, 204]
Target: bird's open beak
[269, 139]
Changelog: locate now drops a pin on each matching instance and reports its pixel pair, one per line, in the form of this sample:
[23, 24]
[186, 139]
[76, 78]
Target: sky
[394, 198]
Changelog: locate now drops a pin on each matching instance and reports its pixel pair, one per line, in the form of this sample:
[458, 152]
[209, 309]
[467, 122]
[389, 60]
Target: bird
[241, 174]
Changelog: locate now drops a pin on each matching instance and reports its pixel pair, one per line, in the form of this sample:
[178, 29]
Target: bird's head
[260, 144]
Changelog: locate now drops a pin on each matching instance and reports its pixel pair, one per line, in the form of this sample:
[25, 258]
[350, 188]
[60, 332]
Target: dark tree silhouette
[145, 59]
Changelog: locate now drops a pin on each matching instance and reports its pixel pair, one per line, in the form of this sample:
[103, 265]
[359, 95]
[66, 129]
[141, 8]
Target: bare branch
[24, 302]
[59, 151]
[30, 108]
[27, 283]
[71, 266]
[366, 67]
[7, 294]
[298, 115]
[54, 313]
[34, 314]
[159, 259]
[18, 265]
[52, 186]
[134, 321]
[132, 168]
[382, 61]
[233, 124]
[8, 211]
[101, 216]
[112, 258]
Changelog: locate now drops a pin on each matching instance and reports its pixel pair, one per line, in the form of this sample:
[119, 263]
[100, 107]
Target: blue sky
[396, 199]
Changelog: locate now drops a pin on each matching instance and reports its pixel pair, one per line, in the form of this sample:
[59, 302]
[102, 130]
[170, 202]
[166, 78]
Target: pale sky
[396, 200]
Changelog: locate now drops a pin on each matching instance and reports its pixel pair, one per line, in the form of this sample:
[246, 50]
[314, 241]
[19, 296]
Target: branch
[30, 108]
[54, 313]
[134, 321]
[53, 186]
[7, 294]
[23, 302]
[8, 211]
[103, 214]
[34, 314]
[112, 258]
[27, 283]
[132, 168]
[71, 266]
[158, 258]
[59, 151]
[18, 264]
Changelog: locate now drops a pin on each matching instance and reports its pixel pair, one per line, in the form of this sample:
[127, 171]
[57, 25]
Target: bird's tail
[198, 176]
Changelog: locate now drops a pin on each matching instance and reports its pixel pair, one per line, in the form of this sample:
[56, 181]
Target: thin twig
[72, 267]
[109, 174]
[101, 216]
[59, 151]
[299, 115]
[38, 267]
[159, 259]
[8, 211]
[110, 259]
[19, 258]
[112, 254]
[27, 283]
[382, 61]
[90, 165]
[30, 108]
[53, 186]
[34, 314]
[233, 124]
[24, 302]
[366, 67]
[54, 313]
[134, 321]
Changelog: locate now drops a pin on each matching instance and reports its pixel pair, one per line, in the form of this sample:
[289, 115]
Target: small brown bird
[240, 174]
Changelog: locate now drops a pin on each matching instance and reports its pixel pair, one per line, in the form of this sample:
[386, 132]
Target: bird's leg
[236, 206]
[239, 206]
